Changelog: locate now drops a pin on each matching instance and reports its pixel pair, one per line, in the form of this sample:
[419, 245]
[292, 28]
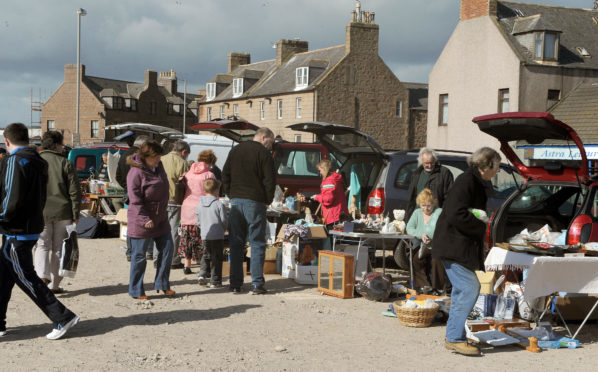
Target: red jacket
[332, 197]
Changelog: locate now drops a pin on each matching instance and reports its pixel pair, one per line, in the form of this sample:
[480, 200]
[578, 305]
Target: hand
[425, 239]
[149, 224]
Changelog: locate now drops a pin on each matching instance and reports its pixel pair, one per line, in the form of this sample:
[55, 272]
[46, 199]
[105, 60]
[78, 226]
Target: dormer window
[546, 46]
[237, 87]
[301, 77]
[210, 91]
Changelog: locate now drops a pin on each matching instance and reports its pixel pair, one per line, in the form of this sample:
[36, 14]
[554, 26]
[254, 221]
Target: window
[117, 103]
[298, 111]
[399, 109]
[301, 77]
[297, 138]
[236, 110]
[262, 110]
[95, 129]
[546, 45]
[50, 125]
[237, 87]
[210, 91]
[554, 95]
[503, 100]
[209, 113]
[443, 110]
[153, 108]
[279, 105]
[133, 105]
[221, 111]
[293, 162]
[583, 52]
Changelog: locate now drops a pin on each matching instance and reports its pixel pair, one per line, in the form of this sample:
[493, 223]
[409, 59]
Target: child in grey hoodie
[212, 219]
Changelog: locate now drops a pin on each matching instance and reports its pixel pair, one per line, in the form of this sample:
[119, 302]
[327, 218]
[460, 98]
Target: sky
[120, 39]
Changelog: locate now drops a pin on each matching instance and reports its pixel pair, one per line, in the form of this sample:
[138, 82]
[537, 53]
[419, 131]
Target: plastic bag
[70, 253]
[505, 306]
[375, 286]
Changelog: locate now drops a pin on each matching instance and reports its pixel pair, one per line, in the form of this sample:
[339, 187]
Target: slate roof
[418, 95]
[276, 80]
[579, 110]
[576, 25]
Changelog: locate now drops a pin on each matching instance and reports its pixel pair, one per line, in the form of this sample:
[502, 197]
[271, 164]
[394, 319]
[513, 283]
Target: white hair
[426, 150]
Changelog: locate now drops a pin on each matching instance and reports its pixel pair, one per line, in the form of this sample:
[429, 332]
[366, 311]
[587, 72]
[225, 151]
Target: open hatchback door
[236, 130]
[538, 129]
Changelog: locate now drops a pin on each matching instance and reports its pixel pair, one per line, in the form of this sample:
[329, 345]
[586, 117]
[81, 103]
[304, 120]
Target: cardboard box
[576, 307]
[270, 267]
[226, 269]
[485, 304]
[361, 262]
[121, 216]
[270, 253]
[486, 282]
[307, 275]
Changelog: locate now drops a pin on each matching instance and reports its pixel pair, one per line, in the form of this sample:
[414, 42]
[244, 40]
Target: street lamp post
[184, 105]
[80, 12]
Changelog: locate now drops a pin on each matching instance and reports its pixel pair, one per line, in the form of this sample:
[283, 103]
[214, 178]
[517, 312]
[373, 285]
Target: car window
[404, 175]
[536, 198]
[594, 204]
[365, 171]
[84, 162]
[298, 162]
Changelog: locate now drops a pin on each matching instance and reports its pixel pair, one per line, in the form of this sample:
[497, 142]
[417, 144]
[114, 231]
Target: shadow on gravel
[94, 327]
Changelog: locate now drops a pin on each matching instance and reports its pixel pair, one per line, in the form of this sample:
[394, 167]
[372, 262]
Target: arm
[223, 216]
[74, 189]
[136, 197]
[269, 176]
[13, 182]
[413, 222]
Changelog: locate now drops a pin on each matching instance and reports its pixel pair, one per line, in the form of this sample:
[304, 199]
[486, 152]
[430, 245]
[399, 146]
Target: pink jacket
[195, 176]
[333, 199]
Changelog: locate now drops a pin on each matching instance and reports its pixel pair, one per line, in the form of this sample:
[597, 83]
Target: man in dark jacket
[23, 179]
[249, 179]
[429, 175]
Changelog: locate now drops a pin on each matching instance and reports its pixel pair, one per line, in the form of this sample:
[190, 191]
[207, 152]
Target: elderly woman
[332, 195]
[421, 225]
[147, 187]
[459, 242]
[190, 244]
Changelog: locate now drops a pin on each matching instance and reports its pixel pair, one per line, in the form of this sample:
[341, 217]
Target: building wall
[476, 62]
[418, 122]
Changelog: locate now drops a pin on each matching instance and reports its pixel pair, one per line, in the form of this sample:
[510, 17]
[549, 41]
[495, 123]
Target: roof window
[583, 52]
[518, 12]
[595, 19]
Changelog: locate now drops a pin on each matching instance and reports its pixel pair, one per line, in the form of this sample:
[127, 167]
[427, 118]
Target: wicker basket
[414, 317]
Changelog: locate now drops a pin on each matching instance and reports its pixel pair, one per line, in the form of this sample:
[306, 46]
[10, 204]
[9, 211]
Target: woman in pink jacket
[332, 194]
[190, 236]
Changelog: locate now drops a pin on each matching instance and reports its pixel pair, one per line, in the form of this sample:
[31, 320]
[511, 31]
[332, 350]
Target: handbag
[180, 188]
[70, 253]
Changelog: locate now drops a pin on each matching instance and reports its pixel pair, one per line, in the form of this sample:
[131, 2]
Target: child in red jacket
[332, 194]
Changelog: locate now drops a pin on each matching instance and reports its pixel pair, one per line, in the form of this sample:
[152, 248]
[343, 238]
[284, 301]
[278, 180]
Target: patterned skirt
[190, 245]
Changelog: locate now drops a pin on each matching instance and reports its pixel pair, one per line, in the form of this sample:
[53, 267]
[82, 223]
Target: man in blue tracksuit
[23, 179]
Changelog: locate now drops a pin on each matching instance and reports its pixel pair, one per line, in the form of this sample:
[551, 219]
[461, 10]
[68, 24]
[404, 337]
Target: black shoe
[187, 270]
[129, 258]
[176, 266]
[235, 290]
[258, 290]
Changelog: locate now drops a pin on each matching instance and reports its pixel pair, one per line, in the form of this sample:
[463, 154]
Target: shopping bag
[70, 253]
[180, 188]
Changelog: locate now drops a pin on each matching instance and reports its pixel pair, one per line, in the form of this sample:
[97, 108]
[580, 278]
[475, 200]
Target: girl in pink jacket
[190, 244]
[332, 194]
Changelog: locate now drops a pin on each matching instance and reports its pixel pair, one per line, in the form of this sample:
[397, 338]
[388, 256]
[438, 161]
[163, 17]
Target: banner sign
[560, 153]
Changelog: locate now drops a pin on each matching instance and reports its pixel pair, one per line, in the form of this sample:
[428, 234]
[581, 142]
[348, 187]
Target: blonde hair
[426, 196]
[326, 165]
[211, 185]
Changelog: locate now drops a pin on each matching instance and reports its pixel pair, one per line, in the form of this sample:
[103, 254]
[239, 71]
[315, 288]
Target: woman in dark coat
[147, 187]
[459, 242]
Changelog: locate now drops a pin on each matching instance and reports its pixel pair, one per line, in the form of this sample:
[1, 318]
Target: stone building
[107, 101]
[346, 84]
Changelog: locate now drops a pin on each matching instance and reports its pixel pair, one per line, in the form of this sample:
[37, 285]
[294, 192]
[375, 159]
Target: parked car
[296, 162]
[88, 158]
[391, 189]
[557, 193]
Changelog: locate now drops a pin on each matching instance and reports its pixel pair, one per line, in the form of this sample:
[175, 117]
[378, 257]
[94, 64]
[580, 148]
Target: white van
[199, 142]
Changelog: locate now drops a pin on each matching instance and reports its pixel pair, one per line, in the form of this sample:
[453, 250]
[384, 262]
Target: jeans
[247, 221]
[211, 260]
[138, 263]
[466, 289]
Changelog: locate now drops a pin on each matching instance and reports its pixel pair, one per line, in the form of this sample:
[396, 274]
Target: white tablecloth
[500, 259]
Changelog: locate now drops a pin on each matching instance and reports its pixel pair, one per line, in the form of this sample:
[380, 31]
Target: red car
[558, 193]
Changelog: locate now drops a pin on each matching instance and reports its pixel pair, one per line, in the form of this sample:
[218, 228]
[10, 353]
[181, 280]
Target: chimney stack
[151, 78]
[70, 72]
[168, 80]
[285, 49]
[362, 33]
[236, 59]
[477, 8]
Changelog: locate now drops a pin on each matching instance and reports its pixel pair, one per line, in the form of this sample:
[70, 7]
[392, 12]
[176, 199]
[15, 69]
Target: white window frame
[298, 110]
[399, 109]
[236, 110]
[237, 87]
[301, 77]
[209, 113]
[262, 110]
[443, 109]
[279, 108]
[297, 138]
[95, 129]
[210, 91]
[504, 96]
[222, 112]
[50, 125]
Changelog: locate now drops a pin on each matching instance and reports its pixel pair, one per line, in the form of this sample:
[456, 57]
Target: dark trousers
[16, 267]
[211, 260]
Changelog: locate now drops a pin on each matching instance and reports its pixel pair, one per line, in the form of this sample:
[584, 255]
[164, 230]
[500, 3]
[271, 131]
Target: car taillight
[376, 201]
[579, 227]
[489, 242]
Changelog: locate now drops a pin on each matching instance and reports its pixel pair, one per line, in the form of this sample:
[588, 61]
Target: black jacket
[23, 180]
[440, 181]
[249, 173]
[459, 236]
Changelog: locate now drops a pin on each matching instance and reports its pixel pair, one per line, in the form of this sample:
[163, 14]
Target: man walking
[175, 165]
[249, 179]
[23, 179]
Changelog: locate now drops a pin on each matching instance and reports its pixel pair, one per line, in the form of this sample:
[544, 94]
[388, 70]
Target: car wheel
[401, 254]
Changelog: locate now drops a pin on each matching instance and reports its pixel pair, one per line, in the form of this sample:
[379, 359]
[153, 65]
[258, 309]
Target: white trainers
[62, 329]
[202, 281]
[3, 333]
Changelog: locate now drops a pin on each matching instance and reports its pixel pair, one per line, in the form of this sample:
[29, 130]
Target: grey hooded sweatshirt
[211, 217]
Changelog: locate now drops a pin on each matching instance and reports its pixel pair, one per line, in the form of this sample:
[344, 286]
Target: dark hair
[207, 156]
[211, 185]
[51, 139]
[3, 150]
[149, 148]
[17, 134]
